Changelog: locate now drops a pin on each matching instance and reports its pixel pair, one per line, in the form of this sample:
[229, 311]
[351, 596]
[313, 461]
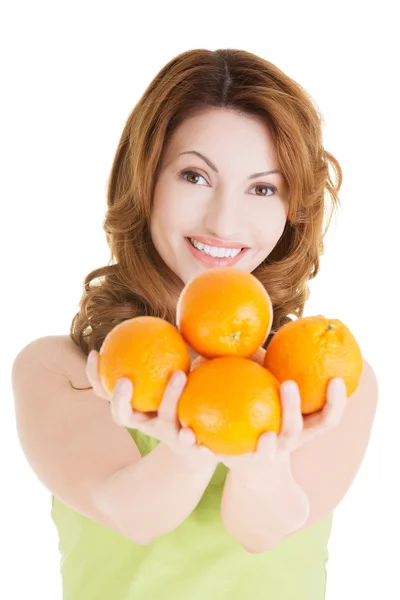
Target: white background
[71, 74]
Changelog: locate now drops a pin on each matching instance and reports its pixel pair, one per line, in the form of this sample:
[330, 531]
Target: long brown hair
[137, 281]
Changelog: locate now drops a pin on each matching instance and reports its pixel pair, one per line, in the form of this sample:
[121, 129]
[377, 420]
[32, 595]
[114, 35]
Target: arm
[262, 506]
[88, 461]
[322, 470]
[154, 495]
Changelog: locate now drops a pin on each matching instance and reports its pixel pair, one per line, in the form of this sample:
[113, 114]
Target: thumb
[172, 392]
[186, 436]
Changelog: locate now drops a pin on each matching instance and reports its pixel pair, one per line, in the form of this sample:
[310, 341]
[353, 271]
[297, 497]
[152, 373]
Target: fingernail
[123, 386]
[339, 384]
[290, 386]
[91, 357]
[178, 379]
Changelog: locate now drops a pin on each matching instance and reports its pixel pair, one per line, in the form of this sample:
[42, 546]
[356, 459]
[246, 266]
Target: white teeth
[214, 251]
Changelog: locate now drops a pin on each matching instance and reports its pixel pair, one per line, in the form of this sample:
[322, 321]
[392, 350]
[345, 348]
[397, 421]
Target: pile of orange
[225, 315]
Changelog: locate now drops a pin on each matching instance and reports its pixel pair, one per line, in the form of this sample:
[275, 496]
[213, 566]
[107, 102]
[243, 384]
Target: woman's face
[218, 197]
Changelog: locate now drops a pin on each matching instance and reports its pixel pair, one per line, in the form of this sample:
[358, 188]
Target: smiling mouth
[235, 253]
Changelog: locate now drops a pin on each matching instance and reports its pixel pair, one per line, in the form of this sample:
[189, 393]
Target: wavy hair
[137, 281]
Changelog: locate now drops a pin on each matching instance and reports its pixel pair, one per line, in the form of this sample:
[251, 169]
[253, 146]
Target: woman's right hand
[163, 425]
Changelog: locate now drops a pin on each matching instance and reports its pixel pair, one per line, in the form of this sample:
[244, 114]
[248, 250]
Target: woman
[223, 150]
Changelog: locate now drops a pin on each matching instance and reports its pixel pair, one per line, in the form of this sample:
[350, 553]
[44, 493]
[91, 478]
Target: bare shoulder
[68, 436]
[356, 423]
[61, 355]
[361, 406]
[327, 466]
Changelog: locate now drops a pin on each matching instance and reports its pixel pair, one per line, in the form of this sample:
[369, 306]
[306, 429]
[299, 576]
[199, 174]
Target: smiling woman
[221, 162]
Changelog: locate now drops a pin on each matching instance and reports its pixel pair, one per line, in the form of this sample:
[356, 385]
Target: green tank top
[196, 561]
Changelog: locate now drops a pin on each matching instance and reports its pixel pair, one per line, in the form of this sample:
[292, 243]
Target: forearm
[153, 496]
[260, 508]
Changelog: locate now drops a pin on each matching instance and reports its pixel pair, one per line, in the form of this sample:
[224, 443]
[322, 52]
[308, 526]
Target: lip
[208, 241]
[215, 262]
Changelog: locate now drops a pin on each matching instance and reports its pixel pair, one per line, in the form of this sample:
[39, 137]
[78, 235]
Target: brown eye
[267, 187]
[190, 174]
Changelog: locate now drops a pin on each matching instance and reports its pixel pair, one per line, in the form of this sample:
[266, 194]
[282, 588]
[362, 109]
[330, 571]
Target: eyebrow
[214, 168]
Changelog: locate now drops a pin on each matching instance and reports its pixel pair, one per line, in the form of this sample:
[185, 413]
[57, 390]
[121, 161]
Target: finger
[258, 356]
[336, 398]
[93, 376]
[172, 392]
[186, 436]
[121, 408]
[267, 444]
[267, 447]
[292, 419]
[332, 411]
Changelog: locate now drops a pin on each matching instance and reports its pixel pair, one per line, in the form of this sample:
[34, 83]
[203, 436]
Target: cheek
[270, 222]
[164, 212]
[173, 212]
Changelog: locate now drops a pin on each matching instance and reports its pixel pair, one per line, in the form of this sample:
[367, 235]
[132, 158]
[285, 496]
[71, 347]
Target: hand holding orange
[232, 393]
[228, 402]
[146, 350]
[312, 351]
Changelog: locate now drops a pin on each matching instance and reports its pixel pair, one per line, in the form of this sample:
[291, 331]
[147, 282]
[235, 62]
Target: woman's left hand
[296, 430]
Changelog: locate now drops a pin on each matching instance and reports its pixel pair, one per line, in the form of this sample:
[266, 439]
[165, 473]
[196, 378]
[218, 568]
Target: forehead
[217, 132]
[222, 121]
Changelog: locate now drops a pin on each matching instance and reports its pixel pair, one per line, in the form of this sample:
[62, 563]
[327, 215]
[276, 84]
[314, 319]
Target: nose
[223, 218]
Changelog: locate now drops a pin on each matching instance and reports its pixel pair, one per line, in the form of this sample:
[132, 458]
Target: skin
[226, 204]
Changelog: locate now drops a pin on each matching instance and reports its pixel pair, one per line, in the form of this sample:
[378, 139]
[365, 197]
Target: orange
[229, 402]
[224, 311]
[311, 351]
[146, 350]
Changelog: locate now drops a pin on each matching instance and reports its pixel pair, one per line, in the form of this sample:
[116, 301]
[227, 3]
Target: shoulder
[359, 414]
[355, 426]
[368, 377]
[58, 353]
[326, 466]
[361, 406]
